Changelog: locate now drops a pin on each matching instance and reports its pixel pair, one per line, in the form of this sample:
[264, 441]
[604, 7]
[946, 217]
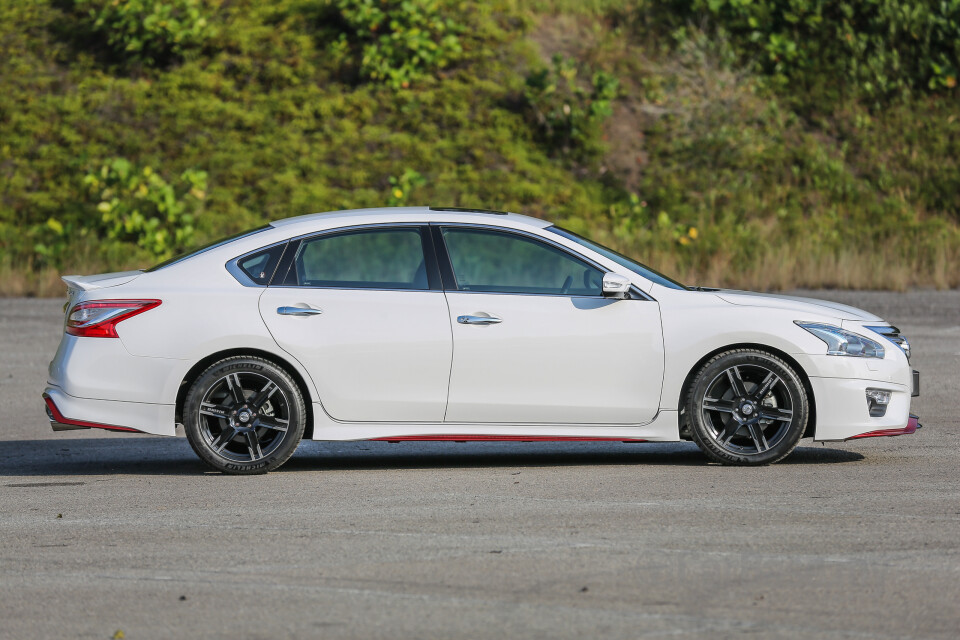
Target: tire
[747, 407]
[244, 415]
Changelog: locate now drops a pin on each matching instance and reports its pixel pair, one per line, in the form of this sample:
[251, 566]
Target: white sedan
[450, 324]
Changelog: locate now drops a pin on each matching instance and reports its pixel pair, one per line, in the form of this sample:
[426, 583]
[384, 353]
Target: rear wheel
[747, 407]
[244, 415]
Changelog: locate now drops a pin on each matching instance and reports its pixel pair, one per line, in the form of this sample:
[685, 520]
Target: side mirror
[615, 286]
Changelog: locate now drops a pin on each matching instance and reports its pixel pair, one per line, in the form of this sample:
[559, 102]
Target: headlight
[841, 342]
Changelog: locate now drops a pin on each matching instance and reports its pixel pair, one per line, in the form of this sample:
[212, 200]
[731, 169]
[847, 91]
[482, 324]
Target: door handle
[479, 320]
[298, 311]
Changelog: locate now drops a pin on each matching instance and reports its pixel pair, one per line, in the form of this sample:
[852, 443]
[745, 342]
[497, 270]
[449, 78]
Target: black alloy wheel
[747, 407]
[244, 415]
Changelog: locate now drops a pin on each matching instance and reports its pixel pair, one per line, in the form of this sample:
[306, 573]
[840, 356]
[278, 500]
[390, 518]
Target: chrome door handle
[479, 320]
[298, 311]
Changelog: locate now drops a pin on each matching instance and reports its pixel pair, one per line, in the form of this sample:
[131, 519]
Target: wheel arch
[786, 357]
[204, 363]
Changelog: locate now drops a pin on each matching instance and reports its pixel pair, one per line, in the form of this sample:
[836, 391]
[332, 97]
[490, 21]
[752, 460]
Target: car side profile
[423, 323]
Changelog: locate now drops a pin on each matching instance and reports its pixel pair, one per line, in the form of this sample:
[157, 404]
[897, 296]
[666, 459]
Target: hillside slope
[722, 147]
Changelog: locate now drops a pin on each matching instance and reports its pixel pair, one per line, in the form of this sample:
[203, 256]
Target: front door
[536, 342]
[358, 311]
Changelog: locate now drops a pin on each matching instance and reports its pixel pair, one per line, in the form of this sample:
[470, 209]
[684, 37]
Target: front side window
[367, 259]
[495, 261]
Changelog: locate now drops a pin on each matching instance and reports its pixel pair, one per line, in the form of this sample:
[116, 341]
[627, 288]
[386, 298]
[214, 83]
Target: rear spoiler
[99, 281]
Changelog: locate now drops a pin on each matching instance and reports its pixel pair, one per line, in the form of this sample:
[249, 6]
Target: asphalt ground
[104, 532]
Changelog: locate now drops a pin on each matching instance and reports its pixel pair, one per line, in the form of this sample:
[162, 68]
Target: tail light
[99, 318]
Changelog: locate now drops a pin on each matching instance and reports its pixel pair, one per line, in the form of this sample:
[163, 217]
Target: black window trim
[426, 244]
[233, 265]
[450, 282]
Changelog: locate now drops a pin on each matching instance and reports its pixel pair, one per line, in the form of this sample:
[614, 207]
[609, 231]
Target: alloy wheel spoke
[736, 382]
[236, 389]
[225, 437]
[270, 422]
[725, 435]
[253, 444]
[213, 410]
[766, 386]
[727, 406]
[759, 439]
[776, 414]
[268, 390]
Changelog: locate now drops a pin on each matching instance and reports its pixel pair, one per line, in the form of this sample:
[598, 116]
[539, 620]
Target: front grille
[893, 335]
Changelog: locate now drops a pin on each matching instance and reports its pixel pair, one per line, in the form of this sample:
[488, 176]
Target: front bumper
[913, 423]
[842, 411]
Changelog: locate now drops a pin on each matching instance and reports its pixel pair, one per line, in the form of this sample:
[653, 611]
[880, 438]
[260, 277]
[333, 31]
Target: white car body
[398, 365]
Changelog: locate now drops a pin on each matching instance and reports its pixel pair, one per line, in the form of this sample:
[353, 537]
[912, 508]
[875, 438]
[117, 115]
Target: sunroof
[465, 210]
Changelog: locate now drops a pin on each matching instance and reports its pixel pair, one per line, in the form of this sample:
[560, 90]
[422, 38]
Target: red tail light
[99, 318]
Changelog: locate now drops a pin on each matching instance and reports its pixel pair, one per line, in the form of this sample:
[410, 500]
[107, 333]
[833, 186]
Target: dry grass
[784, 268]
[809, 267]
[18, 283]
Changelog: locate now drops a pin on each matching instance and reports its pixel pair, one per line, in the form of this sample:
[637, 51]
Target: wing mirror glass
[615, 286]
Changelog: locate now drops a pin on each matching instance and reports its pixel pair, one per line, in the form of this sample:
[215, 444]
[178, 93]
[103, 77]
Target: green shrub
[403, 187]
[140, 207]
[398, 42]
[873, 48]
[568, 117]
[149, 32]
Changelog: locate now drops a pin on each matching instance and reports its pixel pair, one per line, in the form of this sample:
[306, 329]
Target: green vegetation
[566, 115]
[149, 32]
[763, 143]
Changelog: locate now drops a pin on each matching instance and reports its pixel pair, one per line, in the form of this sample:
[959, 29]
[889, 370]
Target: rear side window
[260, 266]
[367, 259]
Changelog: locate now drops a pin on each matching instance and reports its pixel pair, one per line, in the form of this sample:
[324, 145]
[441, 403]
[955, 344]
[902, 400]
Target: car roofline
[415, 214]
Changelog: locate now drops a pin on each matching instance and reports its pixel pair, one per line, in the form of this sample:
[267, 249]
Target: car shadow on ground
[173, 456]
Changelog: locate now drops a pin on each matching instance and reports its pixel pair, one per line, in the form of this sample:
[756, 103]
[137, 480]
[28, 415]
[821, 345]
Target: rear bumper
[69, 412]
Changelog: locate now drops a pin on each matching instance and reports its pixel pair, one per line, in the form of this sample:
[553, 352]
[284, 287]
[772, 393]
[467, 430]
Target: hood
[796, 303]
[100, 281]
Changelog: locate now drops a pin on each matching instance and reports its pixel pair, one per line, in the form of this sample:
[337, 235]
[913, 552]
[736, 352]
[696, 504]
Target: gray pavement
[103, 532]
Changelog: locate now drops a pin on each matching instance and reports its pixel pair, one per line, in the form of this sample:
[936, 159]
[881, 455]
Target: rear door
[363, 311]
[535, 341]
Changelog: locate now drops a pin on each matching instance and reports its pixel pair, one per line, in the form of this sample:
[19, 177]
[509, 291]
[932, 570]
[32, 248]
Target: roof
[415, 214]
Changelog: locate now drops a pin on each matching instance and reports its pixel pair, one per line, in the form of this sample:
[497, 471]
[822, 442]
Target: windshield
[206, 247]
[622, 260]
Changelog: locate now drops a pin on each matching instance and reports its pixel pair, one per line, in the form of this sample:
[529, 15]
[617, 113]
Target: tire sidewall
[240, 364]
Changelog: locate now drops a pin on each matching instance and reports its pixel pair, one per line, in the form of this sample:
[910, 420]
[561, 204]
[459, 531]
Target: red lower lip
[59, 417]
[911, 427]
[457, 438]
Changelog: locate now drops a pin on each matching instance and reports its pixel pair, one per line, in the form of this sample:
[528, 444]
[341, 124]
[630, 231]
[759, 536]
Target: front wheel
[747, 407]
[244, 415]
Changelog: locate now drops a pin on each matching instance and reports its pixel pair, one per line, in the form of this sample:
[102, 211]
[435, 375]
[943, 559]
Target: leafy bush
[403, 187]
[567, 116]
[150, 32]
[876, 48]
[398, 42]
[138, 206]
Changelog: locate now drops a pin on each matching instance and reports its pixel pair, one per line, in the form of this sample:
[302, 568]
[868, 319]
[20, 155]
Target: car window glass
[494, 261]
[374, 259]
[260, 266]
